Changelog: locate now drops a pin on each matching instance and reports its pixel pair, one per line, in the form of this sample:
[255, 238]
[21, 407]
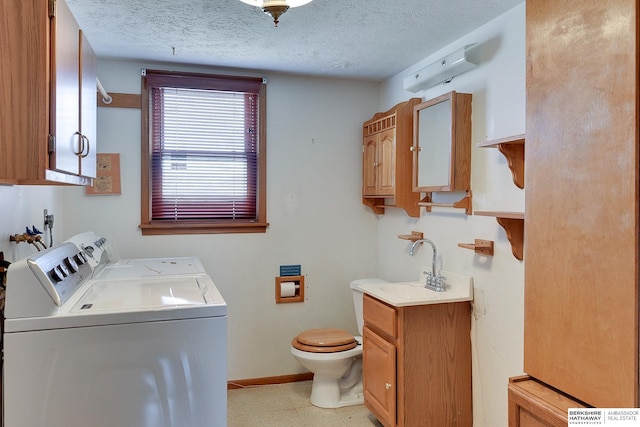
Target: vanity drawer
[379, 316]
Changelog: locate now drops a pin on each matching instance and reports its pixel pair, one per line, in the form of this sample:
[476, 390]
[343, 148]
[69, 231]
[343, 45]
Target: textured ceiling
[364, 39]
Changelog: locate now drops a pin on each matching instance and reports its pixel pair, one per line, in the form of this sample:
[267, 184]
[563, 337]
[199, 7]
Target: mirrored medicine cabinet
[442, 144]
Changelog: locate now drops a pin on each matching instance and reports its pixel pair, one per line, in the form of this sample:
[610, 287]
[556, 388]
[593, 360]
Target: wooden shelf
[513, 224]
[513, 149]
[501, 214]
[414, 236]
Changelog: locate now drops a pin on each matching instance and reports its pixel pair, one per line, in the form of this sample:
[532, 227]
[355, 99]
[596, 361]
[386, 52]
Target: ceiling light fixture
[276, 8]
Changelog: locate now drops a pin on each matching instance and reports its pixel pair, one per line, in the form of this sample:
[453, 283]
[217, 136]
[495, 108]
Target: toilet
[335, 358]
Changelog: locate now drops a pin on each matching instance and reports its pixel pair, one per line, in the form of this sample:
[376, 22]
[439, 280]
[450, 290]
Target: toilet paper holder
[284, 287]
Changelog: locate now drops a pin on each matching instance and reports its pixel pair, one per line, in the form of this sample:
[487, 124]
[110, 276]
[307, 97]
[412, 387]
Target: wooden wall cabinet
[48, 83]
[387, 160]
[417, 364]
[582, 216]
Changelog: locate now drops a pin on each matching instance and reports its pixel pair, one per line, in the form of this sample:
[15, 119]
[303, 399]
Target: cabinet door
[369, 165]
[581, 247]
[379, 376]
[88, 108]
[65, 95]
[386, 170]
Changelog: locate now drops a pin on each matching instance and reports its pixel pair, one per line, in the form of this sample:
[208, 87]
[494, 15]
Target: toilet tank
[358, 296]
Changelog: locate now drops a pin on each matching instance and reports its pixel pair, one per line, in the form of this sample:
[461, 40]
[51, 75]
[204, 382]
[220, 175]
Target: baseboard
[269, 380]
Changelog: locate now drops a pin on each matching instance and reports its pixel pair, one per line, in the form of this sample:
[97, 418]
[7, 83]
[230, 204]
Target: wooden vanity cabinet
[417, 364]
[48, 86]
[387, 165]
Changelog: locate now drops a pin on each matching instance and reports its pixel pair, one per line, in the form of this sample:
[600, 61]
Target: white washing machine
[92, 341]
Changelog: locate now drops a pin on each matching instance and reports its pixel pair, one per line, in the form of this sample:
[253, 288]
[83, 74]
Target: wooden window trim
[149, 227]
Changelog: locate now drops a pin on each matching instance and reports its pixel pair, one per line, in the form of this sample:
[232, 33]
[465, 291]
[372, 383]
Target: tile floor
[287, 405]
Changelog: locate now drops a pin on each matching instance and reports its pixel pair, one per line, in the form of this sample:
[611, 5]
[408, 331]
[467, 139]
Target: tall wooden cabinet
[581, 245]
[48, 88]
[387, 166]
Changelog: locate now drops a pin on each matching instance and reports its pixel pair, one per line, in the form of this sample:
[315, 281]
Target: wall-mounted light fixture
[441, 71]
[276, 8]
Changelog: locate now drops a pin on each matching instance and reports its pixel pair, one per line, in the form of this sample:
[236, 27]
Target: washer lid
[130, 295]
[151, 267]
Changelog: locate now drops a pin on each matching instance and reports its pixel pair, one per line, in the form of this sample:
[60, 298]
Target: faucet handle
[440, 280]
[429, 277]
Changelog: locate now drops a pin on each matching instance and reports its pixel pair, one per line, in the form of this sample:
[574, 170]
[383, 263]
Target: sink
[458, 288]
[407, 291]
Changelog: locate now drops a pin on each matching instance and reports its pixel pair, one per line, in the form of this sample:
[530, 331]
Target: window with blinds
[205, 154]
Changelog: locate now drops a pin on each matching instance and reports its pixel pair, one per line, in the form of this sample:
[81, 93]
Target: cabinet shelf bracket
[376, 205]
[512, 148]
[513, 224]
[464, 203]
[480, 246]
[515, 233]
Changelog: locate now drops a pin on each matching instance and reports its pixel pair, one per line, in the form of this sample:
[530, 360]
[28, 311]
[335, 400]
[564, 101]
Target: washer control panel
[61, 270]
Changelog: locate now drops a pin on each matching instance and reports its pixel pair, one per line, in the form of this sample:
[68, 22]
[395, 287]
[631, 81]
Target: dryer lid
[135, 295]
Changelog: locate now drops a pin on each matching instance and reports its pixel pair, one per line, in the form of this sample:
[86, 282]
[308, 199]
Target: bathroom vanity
[417, 357]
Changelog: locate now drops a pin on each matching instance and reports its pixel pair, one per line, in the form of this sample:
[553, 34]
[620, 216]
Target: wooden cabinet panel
[379, 377]
[40, 79]
[381, 317]
[378, 164]
[387, 163]
[369, 159]
[24, 85]
[581, 245]
[434, 365]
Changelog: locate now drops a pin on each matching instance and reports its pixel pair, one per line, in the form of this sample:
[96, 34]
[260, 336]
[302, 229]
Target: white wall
[316, 216]
[498, 88]
[23, 206]
[314, 210]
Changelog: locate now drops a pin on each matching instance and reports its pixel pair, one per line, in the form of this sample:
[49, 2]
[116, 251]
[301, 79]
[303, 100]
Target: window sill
[208, 228]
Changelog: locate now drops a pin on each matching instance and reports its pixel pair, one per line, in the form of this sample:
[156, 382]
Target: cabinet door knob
[387, 386]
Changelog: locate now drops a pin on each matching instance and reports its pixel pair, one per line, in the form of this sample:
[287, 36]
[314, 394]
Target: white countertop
[458, 288]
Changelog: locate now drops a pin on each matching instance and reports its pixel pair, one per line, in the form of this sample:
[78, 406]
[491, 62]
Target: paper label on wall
[290, 270]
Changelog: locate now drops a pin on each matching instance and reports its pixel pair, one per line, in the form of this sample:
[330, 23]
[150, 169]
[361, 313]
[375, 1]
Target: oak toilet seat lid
[327, 340]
